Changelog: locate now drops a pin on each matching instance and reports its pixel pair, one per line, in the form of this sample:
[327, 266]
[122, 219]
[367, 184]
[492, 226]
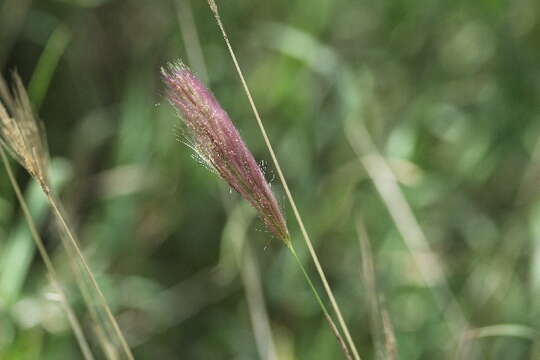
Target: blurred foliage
[448, 90]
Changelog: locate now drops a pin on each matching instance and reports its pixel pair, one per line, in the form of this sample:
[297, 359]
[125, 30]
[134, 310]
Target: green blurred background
[448, 92]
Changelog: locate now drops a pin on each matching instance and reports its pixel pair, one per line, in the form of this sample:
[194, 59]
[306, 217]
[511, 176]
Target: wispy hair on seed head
[217, 142]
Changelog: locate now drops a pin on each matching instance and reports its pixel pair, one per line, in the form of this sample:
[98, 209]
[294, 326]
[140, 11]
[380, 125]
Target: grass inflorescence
[23, 136]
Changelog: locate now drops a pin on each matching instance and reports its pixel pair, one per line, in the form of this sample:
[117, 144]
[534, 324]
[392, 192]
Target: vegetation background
[447, 93]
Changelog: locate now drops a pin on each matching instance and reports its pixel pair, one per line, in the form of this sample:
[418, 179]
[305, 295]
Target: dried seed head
[20, 132]
[218, 143]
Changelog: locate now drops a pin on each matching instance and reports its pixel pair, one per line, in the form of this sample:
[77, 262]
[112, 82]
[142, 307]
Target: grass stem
[320, 302]
[53, 277]
[101, 297]
[320, 271]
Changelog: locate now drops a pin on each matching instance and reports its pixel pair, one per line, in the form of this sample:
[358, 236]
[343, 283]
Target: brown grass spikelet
[21, 132]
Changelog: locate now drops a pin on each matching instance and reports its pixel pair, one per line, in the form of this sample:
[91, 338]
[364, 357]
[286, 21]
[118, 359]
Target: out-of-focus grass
[447, 90]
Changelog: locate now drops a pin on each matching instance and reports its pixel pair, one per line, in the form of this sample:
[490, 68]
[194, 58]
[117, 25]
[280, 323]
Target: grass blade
[425, 258]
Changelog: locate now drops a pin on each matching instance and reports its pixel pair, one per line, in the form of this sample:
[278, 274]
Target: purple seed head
[217, 141]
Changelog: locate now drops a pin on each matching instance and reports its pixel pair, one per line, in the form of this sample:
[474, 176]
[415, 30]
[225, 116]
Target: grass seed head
[20, 131]
[217, 141]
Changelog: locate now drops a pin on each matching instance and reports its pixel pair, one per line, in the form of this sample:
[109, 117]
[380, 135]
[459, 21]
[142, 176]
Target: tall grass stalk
[103, 334]
[24, 137]
[52, 274]
[320, 271]
[56, 207]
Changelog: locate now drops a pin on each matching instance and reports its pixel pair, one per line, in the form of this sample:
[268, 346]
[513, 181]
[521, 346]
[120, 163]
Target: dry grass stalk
[53, 276]
[23, 136]
[71, 242]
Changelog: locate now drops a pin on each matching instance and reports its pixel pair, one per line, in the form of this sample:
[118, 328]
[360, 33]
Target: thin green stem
[319, 301]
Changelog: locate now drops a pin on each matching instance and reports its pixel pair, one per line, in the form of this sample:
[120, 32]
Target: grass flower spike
[21, 132]
[217, 141]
